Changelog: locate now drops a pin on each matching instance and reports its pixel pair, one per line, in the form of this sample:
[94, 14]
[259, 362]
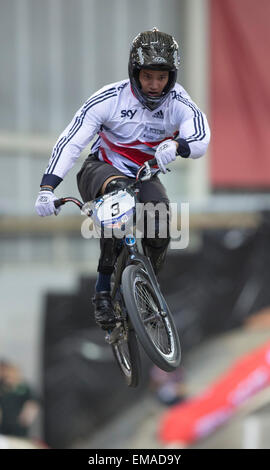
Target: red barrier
[198, 417]
[240, 93]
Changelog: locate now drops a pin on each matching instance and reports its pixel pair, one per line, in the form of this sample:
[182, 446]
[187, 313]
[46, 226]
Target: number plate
[115, 207]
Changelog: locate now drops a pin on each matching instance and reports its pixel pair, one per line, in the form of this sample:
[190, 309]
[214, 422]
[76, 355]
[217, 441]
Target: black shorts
[94, 173]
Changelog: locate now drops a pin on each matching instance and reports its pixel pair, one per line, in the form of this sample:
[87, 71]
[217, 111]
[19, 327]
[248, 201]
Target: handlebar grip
[152, 162]
[59, 202]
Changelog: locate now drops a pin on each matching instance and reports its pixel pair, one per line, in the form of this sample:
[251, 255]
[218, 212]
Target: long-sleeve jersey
[128, 133]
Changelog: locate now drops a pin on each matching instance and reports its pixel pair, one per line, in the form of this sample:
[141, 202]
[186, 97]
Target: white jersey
[128, 133]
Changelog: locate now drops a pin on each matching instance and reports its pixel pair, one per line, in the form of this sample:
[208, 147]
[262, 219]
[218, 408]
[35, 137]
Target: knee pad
[156, 222]
[116, 183]
[156, 234]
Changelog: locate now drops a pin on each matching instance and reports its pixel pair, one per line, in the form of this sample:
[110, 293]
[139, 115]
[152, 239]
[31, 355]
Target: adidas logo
[159, 115]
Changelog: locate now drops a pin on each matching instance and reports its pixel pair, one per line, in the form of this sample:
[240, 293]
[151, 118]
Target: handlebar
[146, 168]
[63, 200]
[151, 162]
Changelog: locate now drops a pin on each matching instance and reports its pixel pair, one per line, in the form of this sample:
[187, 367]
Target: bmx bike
[141, 311]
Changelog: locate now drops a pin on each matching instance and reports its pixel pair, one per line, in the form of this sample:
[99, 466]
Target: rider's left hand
[166, 153]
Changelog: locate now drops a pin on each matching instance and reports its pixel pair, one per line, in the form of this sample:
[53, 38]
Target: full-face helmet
[156, 51]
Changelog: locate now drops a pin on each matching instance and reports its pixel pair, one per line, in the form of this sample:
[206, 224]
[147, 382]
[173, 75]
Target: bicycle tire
[126, 353]
[153, 322]
[125, 348]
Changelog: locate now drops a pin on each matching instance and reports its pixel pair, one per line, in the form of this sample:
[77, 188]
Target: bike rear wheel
[126, 353]
[151, 318]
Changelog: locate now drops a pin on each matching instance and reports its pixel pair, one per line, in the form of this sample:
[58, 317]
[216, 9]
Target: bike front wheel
[151, 318]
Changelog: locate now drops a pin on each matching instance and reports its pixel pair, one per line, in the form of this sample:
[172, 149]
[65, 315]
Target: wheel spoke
[148, 319]
[144, 296]
[149, 312]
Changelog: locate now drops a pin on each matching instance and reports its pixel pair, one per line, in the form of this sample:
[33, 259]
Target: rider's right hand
[45, 203]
